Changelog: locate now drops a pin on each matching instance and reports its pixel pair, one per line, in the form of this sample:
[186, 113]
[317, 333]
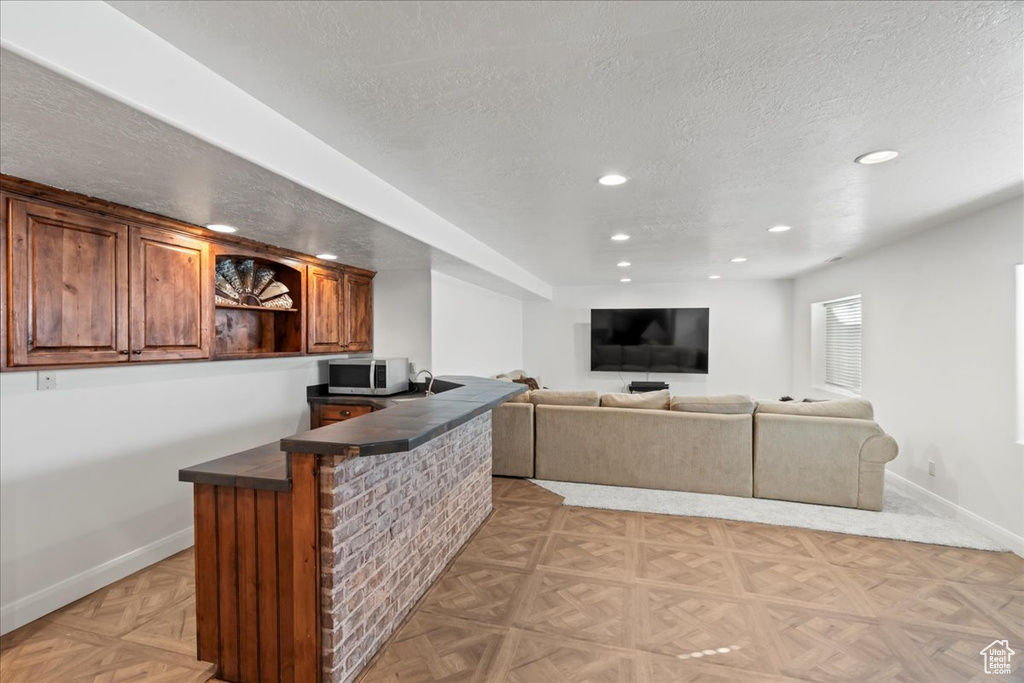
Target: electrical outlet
[46, 380]
[412, 368]
[931, 468]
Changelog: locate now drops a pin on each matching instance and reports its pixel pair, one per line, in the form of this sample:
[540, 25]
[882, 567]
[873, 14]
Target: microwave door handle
[373, 374]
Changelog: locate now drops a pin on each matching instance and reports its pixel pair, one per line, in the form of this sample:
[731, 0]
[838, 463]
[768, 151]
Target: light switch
[46, 380]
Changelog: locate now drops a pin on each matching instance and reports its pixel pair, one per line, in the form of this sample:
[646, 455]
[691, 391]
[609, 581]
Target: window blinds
[842, 343]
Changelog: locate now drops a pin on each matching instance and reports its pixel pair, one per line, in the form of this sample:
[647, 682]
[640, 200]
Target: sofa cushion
[735, 404]
[551, 397]
[854, 408]
[650, 400]
[520, 398]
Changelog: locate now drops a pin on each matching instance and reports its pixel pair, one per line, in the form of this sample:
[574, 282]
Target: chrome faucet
[430, 385]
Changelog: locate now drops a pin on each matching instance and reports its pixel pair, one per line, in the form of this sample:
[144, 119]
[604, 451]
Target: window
[842, 343]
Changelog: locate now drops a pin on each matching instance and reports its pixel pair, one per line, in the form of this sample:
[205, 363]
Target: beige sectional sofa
[829, 452]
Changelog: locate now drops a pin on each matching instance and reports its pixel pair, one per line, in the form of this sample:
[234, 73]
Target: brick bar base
[389, 525]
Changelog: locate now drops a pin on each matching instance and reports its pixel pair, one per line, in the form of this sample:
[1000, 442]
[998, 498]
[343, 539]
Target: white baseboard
[947, 508]
[29, 608]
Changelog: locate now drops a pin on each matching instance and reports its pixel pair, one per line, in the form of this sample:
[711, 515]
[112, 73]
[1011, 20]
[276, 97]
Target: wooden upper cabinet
[325, 311]
[69, 286]
[359, 312]
[339, 312]
[84, 281]
[171, 296]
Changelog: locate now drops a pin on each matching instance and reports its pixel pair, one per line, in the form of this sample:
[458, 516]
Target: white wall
[401, 316]
[89, 471]
[938, 355]
[750, 339]
[474, 331]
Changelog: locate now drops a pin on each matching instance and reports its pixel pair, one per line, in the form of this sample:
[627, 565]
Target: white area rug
[901, 518]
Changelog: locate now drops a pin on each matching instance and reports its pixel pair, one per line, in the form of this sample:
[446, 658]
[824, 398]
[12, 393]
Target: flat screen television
[649, 340]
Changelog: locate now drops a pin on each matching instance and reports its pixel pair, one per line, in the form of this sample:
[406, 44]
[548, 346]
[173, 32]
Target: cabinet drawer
[337, 413]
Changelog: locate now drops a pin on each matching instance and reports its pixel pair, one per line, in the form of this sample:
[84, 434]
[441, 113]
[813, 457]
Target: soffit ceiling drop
[728, 118]
[61, 133]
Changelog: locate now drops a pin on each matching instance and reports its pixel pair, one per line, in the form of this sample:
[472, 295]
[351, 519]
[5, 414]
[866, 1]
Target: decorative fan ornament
[242, 282]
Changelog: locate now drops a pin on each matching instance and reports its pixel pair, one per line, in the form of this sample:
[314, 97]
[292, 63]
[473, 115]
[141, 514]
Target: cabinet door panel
[325, 324]
[171, 296]
[359, 318]
[69, 286]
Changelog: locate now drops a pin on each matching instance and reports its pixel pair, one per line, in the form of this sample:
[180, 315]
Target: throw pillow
[550, 397]
[857, 409]
[530, 383]
[651, 400]
[735, 404]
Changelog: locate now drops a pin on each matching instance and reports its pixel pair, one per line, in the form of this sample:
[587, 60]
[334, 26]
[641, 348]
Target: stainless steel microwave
[368, 376]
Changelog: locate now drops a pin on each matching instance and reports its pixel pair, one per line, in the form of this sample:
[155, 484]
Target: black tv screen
[649, 339]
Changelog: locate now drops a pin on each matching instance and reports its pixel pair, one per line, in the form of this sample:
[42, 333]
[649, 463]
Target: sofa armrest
[874, 453]
[512, 440]
[879, 448]
[810, 459]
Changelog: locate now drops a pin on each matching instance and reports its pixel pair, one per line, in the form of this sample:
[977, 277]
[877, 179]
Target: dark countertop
[406, 425]
[394, 427]
[264, 467]
[318, 394]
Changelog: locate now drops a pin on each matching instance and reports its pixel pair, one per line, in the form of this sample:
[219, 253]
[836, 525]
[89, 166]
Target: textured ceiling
[57, 132]
[729, 117]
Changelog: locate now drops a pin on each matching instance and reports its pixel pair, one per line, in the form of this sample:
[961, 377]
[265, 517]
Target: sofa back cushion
[855, 408]
[520, 398]
[651, 400]
[734, 404]
[655, 449]
[551, 397]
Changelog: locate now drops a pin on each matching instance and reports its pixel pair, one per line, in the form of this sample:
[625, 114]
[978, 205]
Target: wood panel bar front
[248, 580]
[257, 580]
[266, 570]
[227, 584]
[305, 567]
[207, 626]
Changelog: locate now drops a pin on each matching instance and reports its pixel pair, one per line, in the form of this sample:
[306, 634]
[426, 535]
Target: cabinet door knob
[137, 352]
[123, 352]
[346, 412]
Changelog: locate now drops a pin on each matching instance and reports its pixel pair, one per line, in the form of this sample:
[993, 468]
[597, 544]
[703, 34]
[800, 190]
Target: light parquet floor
[142, 628]
[551, 594]
[546, 593]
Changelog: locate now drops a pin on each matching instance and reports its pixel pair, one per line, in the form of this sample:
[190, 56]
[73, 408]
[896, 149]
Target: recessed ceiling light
[623, 264]
[626, 279]
[219, 227]
[879, 157]
[621, 237]
[739, 259]
[780, 228]
[327, 257]
[612, 179]
[714, 277]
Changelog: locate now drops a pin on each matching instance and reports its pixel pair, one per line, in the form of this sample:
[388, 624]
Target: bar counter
[310, 552]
